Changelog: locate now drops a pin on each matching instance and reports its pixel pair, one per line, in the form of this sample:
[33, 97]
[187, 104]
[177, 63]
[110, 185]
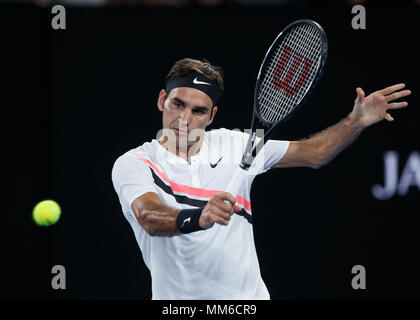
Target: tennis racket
[291, 69]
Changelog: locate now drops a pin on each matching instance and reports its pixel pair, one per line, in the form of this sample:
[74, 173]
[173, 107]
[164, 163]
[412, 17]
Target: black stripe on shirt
[186, 200]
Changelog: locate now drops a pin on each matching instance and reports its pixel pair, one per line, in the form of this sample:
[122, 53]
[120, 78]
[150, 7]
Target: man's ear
[161, 99]
[213, 112]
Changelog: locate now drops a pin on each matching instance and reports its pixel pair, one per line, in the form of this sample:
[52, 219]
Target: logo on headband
[195, 81]
[190, 79]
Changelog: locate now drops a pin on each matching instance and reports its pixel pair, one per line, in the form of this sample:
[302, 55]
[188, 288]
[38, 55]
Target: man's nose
[185, 116]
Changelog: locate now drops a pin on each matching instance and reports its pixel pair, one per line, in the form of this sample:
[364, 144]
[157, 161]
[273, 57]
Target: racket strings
[288, 98]
[290, 72]
[282, 62]
[283, 107]
[303, 72]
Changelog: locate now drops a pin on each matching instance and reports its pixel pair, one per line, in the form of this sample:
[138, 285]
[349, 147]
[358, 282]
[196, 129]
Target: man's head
[189, 101]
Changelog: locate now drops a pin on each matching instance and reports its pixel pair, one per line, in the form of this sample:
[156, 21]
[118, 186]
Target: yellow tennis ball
[46, 213]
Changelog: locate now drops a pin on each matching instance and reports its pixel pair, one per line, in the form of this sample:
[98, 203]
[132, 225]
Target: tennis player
[197, 240]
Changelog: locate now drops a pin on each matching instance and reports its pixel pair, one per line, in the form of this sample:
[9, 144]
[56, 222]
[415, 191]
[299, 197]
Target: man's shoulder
[144, 151]
[223, 132]
[147, 148]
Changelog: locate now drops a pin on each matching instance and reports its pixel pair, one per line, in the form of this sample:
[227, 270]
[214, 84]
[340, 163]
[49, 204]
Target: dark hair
[186, 65]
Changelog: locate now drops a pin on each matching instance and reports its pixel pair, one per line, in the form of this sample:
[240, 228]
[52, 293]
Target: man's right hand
[218, 210]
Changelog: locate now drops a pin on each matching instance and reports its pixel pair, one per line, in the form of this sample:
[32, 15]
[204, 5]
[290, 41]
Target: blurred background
[74, 100]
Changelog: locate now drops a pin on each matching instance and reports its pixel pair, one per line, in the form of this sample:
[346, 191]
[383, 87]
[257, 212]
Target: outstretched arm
[322, 147]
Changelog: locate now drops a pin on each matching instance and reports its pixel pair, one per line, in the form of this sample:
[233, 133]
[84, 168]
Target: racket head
[291, 69]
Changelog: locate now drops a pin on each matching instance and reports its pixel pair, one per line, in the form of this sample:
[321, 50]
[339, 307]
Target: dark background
[74, 100]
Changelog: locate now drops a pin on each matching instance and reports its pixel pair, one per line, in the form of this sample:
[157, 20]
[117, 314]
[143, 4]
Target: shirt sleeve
[274, 151]
[271, 153]
[131, 179]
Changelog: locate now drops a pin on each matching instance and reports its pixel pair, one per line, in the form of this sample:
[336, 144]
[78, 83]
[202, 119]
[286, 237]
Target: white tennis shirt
[217, 263]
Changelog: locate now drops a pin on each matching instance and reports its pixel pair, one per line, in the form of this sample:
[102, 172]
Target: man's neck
[183, 151]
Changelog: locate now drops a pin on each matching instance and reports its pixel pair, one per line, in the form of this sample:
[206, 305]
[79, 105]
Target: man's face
[186, 112]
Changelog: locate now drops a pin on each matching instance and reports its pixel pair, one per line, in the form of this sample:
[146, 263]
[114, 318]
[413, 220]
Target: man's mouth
[180, 132]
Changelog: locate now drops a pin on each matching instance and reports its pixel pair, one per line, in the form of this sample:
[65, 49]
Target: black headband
[195, 80]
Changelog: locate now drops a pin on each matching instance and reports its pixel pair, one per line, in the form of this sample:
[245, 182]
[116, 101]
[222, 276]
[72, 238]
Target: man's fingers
[226, 196]
[218, 219]
[388, 117]
[360, 94]
[397, 105]
[223, 212]
[237, 208]
[397, 95]
[391, 89]
[223, 205]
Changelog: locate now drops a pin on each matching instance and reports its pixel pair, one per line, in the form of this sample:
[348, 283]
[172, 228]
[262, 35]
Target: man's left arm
[322, 147]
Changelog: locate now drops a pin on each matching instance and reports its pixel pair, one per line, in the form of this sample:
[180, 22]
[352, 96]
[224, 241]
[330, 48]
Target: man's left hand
[373, 108]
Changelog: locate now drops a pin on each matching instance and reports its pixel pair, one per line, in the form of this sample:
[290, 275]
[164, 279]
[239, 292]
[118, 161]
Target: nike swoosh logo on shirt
[195, 81]
[215, 165]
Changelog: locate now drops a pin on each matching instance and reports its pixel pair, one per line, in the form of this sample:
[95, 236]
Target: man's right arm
[156, 218]
[160, 220]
